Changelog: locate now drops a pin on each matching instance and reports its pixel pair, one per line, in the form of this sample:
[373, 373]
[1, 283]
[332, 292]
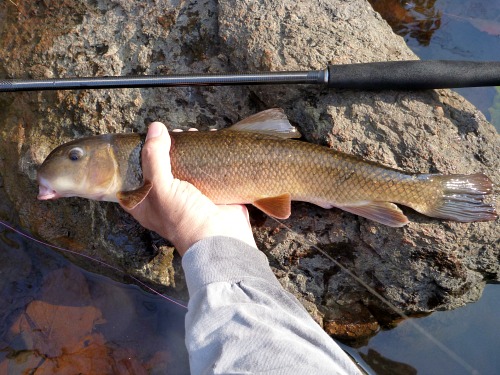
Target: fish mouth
[45, 191]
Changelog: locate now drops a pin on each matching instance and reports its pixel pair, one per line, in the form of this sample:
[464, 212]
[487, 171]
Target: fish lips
[45, 191]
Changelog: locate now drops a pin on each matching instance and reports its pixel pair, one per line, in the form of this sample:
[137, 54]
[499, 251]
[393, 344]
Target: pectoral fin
[382, 212]
[279, 207]
[132, 198]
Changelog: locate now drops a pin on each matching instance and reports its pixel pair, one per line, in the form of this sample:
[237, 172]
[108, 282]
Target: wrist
[185, 233]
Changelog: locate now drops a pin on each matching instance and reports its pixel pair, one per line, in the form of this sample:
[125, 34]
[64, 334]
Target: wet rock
[350, 323]
[332, 261]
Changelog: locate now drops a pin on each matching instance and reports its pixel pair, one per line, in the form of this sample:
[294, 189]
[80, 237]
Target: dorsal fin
[271, 122]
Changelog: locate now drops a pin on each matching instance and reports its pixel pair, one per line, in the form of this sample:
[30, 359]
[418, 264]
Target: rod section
[311, 77]
[388, 75]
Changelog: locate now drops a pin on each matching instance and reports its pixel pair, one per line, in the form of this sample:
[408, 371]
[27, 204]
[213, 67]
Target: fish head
[82, 168]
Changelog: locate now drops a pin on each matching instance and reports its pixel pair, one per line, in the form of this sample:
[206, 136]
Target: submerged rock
[425, 266]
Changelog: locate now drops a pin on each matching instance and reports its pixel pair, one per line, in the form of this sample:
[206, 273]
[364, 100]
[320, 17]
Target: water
[56, 317]
[472, 332]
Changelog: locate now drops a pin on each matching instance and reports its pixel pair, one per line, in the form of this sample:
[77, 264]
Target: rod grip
[414, 75]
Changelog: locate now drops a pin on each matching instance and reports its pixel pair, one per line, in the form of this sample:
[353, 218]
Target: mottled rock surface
[425, 266]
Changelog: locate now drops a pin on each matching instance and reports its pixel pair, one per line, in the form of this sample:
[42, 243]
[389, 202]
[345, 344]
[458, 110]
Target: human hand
[177, 210]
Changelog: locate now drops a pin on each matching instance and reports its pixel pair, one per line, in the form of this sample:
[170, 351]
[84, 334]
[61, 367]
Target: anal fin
[382, 212]
[279, 206]
[132, 198]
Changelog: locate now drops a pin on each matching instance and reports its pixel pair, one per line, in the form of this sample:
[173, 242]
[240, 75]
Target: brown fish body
[234, 166]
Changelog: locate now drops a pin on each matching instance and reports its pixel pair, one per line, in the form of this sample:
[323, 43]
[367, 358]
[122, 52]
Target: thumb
[156, 154]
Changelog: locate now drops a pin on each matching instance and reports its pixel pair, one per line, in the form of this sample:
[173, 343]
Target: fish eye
[75, 154]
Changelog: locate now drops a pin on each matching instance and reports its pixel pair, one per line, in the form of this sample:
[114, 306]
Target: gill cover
[101, 161]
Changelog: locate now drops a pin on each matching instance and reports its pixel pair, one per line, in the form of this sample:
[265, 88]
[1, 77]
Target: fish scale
[247, 165]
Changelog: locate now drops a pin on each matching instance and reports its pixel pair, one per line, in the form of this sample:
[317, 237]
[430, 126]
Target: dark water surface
[472, 333]
[58, 318]
[55, 317]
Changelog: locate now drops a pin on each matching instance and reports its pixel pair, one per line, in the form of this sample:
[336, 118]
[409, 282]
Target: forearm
[240, 319]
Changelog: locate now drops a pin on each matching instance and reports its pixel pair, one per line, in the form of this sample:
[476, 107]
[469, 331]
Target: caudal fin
[463, 198]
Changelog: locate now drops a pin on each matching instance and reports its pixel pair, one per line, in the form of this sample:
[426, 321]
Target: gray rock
[425, 266]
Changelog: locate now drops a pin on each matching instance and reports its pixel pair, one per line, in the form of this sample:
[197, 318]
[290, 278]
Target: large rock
[425, 266]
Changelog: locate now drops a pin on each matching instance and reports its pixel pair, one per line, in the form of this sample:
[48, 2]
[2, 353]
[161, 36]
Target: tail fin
[463, 198]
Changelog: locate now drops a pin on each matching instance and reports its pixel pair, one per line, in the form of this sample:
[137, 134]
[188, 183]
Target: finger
[156, 154]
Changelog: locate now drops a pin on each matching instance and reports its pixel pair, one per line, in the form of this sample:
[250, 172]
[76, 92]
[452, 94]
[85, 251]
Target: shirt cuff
[224, 259]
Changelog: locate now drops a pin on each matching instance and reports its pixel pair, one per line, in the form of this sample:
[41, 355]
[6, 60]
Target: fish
[257, 161]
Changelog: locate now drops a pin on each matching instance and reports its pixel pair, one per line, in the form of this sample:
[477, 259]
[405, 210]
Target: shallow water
[56, 317]
[471, 332]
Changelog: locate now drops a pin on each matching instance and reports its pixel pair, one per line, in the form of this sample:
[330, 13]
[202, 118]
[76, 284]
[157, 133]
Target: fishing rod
[388, 75]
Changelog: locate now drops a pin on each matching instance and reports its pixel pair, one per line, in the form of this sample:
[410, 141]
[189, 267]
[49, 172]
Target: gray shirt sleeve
[241, 320]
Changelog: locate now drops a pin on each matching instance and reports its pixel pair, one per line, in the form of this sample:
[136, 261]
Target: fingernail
[155, 130]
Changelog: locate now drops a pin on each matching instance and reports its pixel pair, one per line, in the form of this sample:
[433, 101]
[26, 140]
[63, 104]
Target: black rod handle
[414, 75]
